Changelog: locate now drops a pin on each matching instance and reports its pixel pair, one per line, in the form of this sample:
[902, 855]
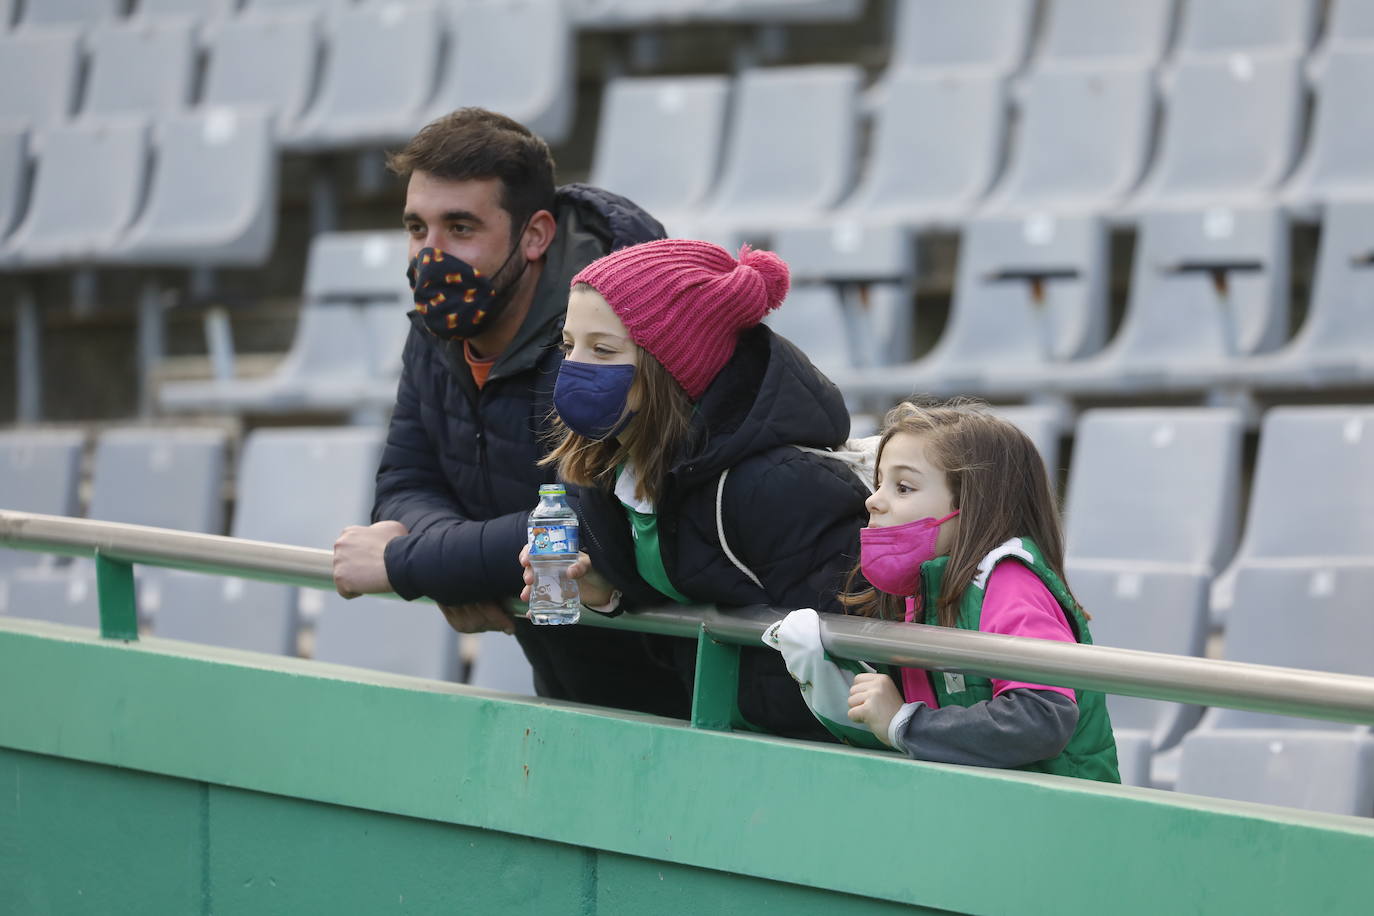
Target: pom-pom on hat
[686, 301]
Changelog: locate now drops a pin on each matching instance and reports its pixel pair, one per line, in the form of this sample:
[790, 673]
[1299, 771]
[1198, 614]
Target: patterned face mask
[455, 299]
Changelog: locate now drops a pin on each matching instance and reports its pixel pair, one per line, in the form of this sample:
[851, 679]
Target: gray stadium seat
[39, 73]
[69, 12]
[140, 68]
[1337, 164]
[263, 61]
[816, 318]
[1247, 25]
[1336, 340]
[1259, 99]
[1181, 505]
[937, 147]
[167, 478]
[484, 36]
[605, 14]
[1350, 20]
[1206, 287]
[386, 635]
[378, 76]
[213, 196]
[39, 472]
[295, 486]
[1082, 30]
[985, 34]
[1153, 511]
[1043, 425]
[792, 147]
[1029, 296]
[1083, 139]
[659, 140]
[1311, 614]
[14, 175]
[343, 345]
[197, 10]
[7, 11]
[87, 190]
[501, 665]
[311, 6]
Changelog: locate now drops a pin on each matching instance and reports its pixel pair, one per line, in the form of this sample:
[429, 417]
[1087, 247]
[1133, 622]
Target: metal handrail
[1185, 679]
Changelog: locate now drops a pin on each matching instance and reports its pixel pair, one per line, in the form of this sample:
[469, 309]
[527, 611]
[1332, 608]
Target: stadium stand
[1101, 215]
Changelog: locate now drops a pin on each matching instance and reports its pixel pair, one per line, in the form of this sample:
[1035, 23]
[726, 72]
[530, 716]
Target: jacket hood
[768, 395]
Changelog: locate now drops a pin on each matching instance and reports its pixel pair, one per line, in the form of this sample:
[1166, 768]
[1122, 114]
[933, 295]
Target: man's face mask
[591, 398]
[454, 299]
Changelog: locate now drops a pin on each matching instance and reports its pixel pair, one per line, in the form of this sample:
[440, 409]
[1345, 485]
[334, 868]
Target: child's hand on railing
[874, 700]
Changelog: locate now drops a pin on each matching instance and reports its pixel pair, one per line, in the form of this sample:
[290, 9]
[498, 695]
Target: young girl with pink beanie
[679, 412]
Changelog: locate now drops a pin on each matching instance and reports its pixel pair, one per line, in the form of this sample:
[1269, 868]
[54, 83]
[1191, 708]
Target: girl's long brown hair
[652, 442]
[997, 481]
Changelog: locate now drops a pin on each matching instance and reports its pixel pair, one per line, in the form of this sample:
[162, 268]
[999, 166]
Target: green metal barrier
[150, 776]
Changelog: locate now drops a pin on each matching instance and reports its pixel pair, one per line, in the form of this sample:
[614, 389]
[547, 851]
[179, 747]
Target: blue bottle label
[552, 539]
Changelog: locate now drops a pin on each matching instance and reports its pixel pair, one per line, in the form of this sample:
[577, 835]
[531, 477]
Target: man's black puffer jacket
[792, 517]
[459, 467]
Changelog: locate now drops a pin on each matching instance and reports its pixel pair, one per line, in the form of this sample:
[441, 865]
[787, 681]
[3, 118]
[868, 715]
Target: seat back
[87, 190]
[69, 12]
[1205, 286]
[393, 636]
[792, 142]
[1339, 321]
[39, 75]
[264, 61]
[985, 34]
[39, 472]
[1337, 164]
[1156, 485]
[1350, 20]
[1084, 136]
[1259, 99]
[937, 144]
[1311, 496]
[1000, 318]
[167, 478]
[14, 176]
[485, 36]
[1077, 30]
[659, 139]
[140, 68]
[1247, 25]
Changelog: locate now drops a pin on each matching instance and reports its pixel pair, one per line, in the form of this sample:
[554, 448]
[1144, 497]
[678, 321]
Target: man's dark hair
[474, 143]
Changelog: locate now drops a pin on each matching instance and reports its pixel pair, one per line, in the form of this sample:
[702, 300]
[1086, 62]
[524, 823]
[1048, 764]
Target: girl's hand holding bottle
[595, 590]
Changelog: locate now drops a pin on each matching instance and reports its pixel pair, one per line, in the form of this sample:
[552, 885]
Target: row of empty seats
[1154, 543]
[595, 13]
[294, 486]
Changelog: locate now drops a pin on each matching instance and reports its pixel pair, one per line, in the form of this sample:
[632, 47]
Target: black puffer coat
[459, 469]
[792, 517]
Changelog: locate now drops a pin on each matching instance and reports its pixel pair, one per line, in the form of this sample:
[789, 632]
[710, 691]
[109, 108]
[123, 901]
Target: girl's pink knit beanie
[686, 301]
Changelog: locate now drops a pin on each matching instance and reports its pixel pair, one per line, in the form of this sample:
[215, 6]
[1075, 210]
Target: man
[493, 247]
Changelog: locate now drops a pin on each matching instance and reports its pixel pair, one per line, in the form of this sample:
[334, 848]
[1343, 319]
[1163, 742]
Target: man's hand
[593, 588]
[874, 700]
[478, 617]
[359, 558]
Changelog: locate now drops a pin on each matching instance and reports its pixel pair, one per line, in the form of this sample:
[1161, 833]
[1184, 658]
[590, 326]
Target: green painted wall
[225, 782]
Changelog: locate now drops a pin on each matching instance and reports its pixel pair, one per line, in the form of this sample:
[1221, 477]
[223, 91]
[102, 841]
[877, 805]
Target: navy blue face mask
[590, 398]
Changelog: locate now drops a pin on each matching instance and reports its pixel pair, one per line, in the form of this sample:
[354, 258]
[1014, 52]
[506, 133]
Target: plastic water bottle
[553, 546]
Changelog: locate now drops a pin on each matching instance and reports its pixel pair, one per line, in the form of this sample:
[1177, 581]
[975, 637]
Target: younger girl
[963, 533]
[681, 412]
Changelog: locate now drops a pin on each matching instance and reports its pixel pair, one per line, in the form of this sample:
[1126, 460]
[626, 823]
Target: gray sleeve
[1021, 726]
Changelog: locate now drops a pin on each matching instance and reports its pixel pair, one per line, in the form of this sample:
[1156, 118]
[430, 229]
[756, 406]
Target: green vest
[1091, 752]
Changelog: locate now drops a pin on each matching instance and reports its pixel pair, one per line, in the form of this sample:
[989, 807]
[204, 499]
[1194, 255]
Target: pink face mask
[891, 557]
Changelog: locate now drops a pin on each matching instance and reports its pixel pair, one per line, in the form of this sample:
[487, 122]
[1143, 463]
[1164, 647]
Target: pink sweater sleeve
[1017, 603]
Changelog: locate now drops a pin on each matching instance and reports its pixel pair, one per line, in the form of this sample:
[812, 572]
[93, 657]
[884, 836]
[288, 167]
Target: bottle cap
[552, 489]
